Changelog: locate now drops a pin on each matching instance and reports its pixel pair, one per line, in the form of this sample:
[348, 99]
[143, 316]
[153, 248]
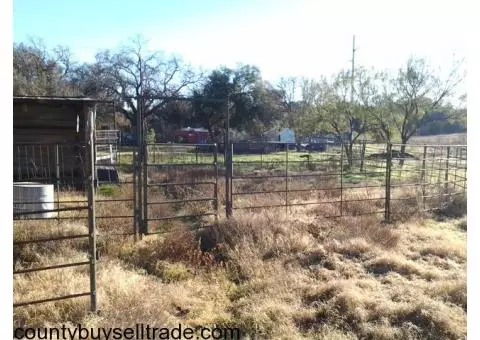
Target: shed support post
[92, 232]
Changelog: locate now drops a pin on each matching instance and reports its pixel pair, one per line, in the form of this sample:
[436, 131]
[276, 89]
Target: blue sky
[282, 37]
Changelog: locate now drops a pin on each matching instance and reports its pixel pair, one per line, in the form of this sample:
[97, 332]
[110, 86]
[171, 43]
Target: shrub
[456, 207]
[150, 136]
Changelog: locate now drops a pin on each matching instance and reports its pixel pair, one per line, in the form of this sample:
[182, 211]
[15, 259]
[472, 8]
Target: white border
[6, 135]
[6, 13]
[473, 140]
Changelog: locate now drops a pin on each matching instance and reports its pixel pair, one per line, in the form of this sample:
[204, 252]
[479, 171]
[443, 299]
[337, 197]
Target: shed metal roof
[43, 99]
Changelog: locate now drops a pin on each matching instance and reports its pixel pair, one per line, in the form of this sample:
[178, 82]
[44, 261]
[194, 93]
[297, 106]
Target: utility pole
[228, 163]
[227, 127]
[353, 70]
[352, 87]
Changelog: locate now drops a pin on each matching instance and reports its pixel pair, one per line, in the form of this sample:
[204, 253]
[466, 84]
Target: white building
[285, 135]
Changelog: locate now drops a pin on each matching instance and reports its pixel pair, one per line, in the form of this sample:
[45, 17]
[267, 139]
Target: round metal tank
[30, 196]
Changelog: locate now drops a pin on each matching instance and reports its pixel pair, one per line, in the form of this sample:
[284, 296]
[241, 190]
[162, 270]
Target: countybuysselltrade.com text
[136, 332]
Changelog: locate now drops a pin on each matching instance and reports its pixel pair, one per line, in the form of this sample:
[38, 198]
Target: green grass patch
[108, 190]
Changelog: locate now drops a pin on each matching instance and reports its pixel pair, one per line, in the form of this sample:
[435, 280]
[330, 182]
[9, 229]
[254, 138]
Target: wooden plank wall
[47, 123]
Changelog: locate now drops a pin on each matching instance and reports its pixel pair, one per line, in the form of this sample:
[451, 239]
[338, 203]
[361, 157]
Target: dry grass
[272, 274]
[454, 138]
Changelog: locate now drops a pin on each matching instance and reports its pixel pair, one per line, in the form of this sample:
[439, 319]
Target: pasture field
[454, 138]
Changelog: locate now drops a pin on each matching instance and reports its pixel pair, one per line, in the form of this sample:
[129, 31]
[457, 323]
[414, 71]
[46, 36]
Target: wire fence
[368, 178]
[158, 188]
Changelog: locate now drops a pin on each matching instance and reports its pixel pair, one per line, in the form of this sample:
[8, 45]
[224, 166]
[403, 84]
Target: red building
[192, 136]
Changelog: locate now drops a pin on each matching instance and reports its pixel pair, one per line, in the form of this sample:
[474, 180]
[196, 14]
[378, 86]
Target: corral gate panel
[180, 187]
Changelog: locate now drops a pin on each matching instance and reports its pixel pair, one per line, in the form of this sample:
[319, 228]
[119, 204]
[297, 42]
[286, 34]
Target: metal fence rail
[107, 146]
[116, 188]
[180, 186]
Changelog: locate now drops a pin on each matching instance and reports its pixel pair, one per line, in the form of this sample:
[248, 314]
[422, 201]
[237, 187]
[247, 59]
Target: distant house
[287, 136]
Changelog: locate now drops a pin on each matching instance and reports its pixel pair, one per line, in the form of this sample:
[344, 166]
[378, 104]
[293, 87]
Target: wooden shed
[49, 138]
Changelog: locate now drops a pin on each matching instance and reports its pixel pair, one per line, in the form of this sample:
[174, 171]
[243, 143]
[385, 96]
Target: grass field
[454, 138]
[271, 275]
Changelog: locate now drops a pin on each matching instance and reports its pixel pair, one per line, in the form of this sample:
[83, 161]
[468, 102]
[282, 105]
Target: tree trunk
[349, 154]
[133, 122]
[402, 151]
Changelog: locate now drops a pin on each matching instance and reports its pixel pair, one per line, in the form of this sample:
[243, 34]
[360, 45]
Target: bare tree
[414, 93]
[64, 59]
[38, 71]
[132, 71]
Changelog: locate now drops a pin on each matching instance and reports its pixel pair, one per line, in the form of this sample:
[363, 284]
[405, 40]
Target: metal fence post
[341, 180]
[139, 163]
[362, 157]
[228, 161]
[431, 178]
[423, 174]
[57, 176]
[215, 189]
[286, 179]
[145, 189]
[388, 174]
[92, 232]
[139, 193]
[231, 177]
[112, 157]
[228, 166]
[439, 179]
[446, 173]
[456, 166]
[136, 218]
[227, 181]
